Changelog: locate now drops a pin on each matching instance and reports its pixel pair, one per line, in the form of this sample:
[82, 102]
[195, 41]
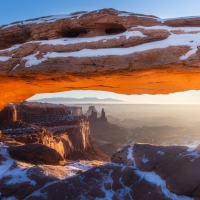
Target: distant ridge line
[67, 99]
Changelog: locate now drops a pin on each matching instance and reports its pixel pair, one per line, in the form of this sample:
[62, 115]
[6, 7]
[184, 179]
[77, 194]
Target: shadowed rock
[36, 154]
[178, 165]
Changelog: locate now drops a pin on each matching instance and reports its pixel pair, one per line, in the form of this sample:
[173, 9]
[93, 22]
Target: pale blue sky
[15, 10]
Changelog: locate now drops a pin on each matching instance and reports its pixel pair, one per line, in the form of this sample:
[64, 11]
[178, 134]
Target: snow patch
[2, 145]
[168, 19]
[76, 166]
[11, 48]
[48, 19]
[4, 58]
[32, 60]
[168, 28]
[160, 153]
[172, 40]
[155, 179]
[124, 15]
[130, 153]
[4, 167]
[191, 149]
[145, 160]
[16, 175]
[17, 65]
[108, 193]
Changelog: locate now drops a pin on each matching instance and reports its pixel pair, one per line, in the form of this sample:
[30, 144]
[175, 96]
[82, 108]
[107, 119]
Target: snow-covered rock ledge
[174, 169]
[138, 171]
[85, 50]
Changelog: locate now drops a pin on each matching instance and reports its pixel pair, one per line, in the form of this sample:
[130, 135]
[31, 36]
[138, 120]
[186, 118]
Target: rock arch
[139, 54]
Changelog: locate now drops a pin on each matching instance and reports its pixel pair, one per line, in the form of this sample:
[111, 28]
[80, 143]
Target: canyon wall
[101, 50]
[34, 112]
[64, 132]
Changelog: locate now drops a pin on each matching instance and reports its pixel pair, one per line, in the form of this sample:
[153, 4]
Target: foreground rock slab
[19, 179]
[177, 165]
[126, 179]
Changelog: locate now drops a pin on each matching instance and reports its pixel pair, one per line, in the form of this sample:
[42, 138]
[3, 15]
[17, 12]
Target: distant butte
[105, 50]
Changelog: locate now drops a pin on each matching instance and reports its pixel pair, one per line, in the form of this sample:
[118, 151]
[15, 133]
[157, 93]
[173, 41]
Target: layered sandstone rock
[100, 50]
[36, 113]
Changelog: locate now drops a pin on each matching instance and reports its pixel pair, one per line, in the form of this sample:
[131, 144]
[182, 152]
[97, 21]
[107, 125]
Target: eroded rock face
[100, 50]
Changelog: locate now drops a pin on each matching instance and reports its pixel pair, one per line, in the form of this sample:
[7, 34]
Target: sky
[189, 97]
[16, 10]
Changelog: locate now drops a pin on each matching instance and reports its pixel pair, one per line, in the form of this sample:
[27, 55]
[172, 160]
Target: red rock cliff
[66, 133]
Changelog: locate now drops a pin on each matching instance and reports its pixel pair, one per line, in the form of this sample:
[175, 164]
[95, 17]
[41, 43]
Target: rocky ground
[36, 164]
[141, 172]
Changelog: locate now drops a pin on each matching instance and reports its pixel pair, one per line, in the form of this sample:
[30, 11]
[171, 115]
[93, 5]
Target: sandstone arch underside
[101, 50]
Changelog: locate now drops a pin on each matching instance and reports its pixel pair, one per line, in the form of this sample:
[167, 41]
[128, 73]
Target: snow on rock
[160, 152]
[168, 28]
[5, 165]
[145, 160]
[32, 60]
[155, 179]
[130, 153]
[11, 48]
[17, 174]
[189, 39]
[154, 163]
[191, 149]
[4, 58]
[110, 180]
[2, 145]
[74, 167]
[172, 40]
[178, 18]
[47, 19]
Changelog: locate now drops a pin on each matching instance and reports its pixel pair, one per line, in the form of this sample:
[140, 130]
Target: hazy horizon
[188, 97]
